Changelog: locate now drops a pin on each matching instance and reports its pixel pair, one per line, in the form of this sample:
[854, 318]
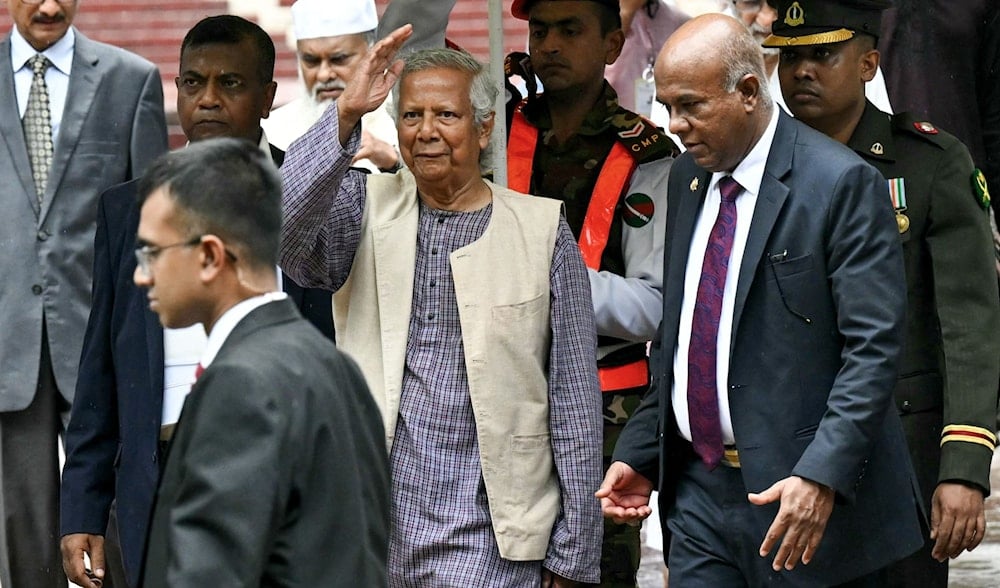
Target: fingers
[73, 548]
[804, 510]
[799, 537]
[97, 556]
[767, 496]
[958, 520]
[625, 515]
[980, 531]
[612, 478]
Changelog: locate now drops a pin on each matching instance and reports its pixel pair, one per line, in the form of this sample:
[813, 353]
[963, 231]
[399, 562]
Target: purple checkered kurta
[441, 526]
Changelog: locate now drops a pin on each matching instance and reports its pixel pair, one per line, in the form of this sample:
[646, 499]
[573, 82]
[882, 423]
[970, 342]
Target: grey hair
[482, 92]
[741, 55]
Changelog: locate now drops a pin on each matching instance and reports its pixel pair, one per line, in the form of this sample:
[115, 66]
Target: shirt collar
[60, 54]
[265, 145]
[228, 321]
[750, 172]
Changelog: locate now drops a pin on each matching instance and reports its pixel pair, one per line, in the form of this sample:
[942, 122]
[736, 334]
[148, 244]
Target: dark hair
[231, 30]
[610, 19]
[225, 187]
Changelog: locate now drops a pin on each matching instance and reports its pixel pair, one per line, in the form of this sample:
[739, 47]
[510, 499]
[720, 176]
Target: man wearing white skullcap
[331, 38]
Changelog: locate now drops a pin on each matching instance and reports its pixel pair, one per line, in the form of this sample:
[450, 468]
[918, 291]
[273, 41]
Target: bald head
[710, 75]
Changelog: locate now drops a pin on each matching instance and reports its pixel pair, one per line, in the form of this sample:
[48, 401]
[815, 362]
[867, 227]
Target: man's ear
[613, 44]
[486, 131]
[269, 91]
[749, 89]
[869, 64]
[212, 256]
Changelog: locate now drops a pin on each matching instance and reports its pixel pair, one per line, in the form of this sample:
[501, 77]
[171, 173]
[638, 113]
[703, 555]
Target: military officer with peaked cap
[947, 388]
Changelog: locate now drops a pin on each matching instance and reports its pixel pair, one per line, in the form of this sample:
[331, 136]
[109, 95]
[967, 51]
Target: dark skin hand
[958, 519]
[73, 547]
[804, 510]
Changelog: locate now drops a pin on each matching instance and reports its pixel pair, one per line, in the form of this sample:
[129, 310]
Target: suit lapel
[83, 83]
[10, 127]
[152, 330]
[769, 203]
[686, 195]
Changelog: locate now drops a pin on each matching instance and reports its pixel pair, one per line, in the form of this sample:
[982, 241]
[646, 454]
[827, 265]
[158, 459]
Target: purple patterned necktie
[703, 399]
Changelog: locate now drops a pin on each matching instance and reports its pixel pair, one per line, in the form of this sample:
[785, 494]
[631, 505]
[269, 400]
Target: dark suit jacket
[111, 441]
[807, 397]
[277, 474]
[112, 129]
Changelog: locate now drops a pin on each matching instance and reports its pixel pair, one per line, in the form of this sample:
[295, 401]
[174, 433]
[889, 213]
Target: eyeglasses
[145, 255]
[37, 2]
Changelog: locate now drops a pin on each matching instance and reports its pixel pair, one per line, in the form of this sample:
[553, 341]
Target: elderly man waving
[468, 308]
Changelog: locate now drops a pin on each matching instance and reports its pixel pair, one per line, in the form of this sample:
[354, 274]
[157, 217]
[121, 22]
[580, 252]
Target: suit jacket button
[43, 235]
[36, 289]
[906, 406]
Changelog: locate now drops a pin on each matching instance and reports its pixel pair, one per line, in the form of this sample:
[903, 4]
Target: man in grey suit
[76, 117]
[769, 429]
[293, 489]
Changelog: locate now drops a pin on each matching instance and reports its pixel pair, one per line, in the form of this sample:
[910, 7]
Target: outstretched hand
[804, 510]
[372, 81]
[624, 494]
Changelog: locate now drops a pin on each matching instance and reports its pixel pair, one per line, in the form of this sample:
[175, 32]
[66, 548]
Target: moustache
[46, 19]
[327, 86]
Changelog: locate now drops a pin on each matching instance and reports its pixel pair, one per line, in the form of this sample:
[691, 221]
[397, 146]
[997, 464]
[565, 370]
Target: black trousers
[29, 480]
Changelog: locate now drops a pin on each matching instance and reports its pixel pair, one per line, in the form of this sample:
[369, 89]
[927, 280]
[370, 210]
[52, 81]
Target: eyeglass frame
[147, 254]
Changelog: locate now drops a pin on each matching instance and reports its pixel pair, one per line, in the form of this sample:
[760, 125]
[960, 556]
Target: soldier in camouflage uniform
[609, 166]
[947, 389]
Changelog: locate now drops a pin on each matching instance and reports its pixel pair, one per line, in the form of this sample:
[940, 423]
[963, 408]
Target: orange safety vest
[615, 172]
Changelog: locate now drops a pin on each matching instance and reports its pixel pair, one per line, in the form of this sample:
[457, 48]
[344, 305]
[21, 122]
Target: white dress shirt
[228, 321]
[748, 174]
[56, 77]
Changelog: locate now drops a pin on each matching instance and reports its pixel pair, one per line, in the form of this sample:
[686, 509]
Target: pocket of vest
[520, 310]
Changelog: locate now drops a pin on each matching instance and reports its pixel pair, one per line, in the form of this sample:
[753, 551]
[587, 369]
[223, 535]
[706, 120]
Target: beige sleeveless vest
[502, 288]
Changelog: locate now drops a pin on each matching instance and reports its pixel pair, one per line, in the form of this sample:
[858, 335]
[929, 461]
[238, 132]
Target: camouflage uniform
[569, 172]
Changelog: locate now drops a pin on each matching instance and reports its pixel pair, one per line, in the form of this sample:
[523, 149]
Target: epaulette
[644, 140]
[913, 126]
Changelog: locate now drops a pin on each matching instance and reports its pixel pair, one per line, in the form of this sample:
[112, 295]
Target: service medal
[897, 192]
[903, 222]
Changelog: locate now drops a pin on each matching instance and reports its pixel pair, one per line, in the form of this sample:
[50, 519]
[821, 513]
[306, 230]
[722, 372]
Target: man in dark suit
[278, 474]
[782, 326]
[946, 394]
[224, 88]
[76, 117]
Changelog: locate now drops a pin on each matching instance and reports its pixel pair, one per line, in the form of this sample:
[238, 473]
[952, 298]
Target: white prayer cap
[313, 19]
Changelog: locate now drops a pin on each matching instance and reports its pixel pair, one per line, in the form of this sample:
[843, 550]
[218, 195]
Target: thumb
[608, 484]
[767, 496]
[97, 556]
[935, 518]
